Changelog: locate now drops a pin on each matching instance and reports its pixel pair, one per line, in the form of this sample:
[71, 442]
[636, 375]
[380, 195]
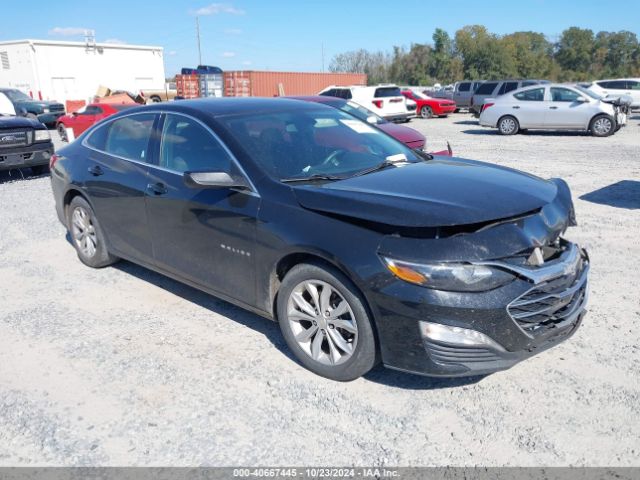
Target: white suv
[621, 86]
[385, 100]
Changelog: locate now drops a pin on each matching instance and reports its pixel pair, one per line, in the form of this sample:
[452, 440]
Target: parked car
[494, 89]
[385, 100]
[361, 250]
[554, 107]
[24, 142]
[445, 92]
[617, 87]
[160, 95]
[87, 116]
[410, 137]
[44, 111]
[463, 92]
[429, 107]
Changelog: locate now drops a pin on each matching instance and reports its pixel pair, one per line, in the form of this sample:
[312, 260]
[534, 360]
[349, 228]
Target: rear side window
[614, 84]
[329, 93]
[633, 85]
[187, 146]
[126, 137]
[343, 93]
[486, 88]
[387, 92]
[508, 87]
[464, 87]
[563, 95]
[533, 95]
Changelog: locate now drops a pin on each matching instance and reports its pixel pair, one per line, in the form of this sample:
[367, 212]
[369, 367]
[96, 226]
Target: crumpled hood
[622, 100]
[436, 193]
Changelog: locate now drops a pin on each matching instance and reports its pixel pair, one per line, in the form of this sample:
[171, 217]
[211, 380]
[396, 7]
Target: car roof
[217, 107]
[327, 100]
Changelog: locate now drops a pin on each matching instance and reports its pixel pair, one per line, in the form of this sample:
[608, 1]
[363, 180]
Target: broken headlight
[453, 277]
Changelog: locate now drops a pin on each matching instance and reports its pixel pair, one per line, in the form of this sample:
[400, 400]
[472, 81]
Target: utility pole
[198, 37]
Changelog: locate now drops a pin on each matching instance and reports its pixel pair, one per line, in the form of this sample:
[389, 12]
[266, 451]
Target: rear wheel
[426, 112]
[62, 132]
[508, 125]
[87, 236]
[602, 126]
[325, 323]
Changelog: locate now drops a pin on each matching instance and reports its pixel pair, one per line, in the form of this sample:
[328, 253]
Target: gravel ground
[122, 366]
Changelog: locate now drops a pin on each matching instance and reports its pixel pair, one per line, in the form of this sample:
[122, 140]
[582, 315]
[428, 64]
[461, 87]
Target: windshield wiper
[380, 166]
[311, 178]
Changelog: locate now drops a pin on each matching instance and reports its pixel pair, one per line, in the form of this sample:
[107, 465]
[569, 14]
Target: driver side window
[187, 146]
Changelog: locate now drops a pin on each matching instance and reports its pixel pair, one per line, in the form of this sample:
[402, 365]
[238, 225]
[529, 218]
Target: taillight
[487, 105]
[52, 161]
[378, 103]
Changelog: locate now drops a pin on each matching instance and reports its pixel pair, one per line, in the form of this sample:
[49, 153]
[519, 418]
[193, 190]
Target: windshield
[17, 95]
[588, 92]
[304, 143]
[362, 113]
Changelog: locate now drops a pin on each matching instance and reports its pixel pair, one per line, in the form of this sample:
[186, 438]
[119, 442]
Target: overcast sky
[290, 35]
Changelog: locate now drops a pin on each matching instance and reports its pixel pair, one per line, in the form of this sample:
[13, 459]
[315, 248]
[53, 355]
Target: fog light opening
[457, 336]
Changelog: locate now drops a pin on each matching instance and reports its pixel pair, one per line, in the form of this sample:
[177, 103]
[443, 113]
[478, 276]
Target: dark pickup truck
[24, 142]
[45, 111]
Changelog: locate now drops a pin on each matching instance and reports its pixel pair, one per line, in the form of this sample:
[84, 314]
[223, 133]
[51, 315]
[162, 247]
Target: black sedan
[361, 248]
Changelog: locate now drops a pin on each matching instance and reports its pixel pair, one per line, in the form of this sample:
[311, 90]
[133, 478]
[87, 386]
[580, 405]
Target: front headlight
[42, 136]
[45, 109]
[453, 277]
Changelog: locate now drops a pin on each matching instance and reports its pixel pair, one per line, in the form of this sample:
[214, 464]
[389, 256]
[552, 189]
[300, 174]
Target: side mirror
[581, 100]
[213, 180]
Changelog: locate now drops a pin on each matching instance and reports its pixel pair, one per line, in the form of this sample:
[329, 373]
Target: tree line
[475, 53]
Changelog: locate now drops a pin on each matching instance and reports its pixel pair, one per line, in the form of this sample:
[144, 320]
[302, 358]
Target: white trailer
[53, 70]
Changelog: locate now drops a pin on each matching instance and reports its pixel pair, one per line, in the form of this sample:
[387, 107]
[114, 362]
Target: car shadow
[271, 330]
[623, 194]
[19, 174]
[467, 122]
[531, 133]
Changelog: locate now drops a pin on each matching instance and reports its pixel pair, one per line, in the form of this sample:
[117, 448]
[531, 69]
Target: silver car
[554, 107]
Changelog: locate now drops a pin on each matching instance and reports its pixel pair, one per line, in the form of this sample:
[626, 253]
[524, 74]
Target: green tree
[574, 53]
[531, 54]
[483, 55]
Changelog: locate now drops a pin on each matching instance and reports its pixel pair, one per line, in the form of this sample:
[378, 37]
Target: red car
[88, 115]
[430, 107]
[410, 137]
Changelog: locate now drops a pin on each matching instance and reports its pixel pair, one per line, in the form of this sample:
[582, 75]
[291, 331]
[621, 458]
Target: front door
[204, 235]
[565, 111]
[116, 179]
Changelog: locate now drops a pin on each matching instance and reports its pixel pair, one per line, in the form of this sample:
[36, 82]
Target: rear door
[634, 91]
[462, 94]
[529, 107]
[116, 178]
[564, 111]
[204, 235]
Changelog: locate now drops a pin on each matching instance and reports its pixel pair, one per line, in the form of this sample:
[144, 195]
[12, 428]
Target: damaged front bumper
[443, 333]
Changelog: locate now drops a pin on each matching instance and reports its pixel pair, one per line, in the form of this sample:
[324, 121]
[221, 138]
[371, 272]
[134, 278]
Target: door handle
[96, 171]
[157, 188]
[516, 107]
[553, 108]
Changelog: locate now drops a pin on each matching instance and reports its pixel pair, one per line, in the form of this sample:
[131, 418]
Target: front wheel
[602, 126]
[426, 112]
[62, 133]
[325, 323]
[508, 125]
[87, 236]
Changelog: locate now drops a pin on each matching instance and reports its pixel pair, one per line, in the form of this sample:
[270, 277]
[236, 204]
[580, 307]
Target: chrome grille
[10, 139]
[552, 302]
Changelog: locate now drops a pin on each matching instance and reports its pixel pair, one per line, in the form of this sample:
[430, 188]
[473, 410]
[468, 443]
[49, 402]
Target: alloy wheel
[322, 322]
[602, 126]
[425, 112]
[84, 232]
[507, 125]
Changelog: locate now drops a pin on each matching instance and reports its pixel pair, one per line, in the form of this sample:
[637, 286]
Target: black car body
[24, 143]
[461, 267]
[45, 111]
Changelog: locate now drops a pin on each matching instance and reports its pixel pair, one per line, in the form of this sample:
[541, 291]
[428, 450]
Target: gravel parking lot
[122, 366]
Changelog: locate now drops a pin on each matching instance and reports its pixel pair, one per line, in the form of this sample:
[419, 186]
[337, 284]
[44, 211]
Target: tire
[39, 169]
[155, 99]
[62, 132]
[317, 341]
[602, 126]
[85, 231]
[508, 125]
[426, 112]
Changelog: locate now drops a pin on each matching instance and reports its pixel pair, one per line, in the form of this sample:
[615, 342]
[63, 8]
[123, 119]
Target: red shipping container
[188, 86]
[253, 83]
[74, 105]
